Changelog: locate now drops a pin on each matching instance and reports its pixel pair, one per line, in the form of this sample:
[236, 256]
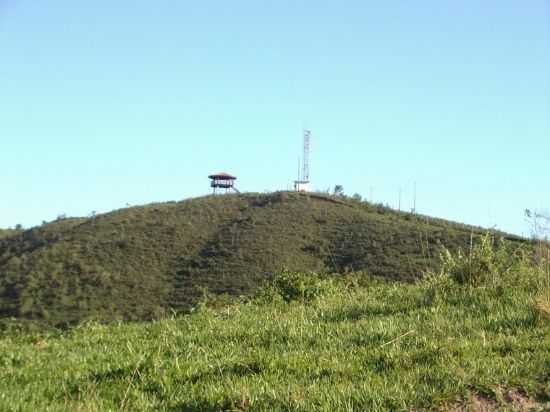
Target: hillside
[143, 262]
[328, 346]
[8, 232]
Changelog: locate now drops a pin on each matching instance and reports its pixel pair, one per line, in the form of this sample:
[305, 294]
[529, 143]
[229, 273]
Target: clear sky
[107, 103]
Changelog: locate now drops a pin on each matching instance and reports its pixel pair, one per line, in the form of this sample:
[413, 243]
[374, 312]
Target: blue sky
[104, 103]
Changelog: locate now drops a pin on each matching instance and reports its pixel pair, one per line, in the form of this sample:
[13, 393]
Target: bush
[293, 286]
[437, 287]
[213, 301]
[542, 304]
[487, 262]
[542, 300]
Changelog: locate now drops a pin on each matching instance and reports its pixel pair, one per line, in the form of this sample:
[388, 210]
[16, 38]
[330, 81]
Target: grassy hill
[307, 343]
[144, 262]
[8, 232]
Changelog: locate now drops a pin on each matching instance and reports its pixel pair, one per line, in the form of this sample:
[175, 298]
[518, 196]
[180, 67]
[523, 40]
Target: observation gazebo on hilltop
[222, 181]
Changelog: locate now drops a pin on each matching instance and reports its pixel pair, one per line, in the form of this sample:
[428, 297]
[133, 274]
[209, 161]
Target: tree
[539, 222]
[357, 197]
[338, 190]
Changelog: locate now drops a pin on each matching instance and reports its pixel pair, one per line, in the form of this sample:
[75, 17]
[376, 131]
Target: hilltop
[8, 232]
[143, 262]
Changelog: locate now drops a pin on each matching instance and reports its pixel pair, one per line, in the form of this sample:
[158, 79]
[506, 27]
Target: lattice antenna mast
[305, 162]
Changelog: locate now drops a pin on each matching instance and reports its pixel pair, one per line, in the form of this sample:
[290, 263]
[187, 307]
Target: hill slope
[142, 262]
[372, 348]
[8, 232]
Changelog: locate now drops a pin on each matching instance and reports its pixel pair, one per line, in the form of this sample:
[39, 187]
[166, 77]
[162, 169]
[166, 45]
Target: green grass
[306, 343]
[144, 262]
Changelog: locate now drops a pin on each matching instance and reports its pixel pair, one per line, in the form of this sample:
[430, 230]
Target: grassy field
[457, 339]
[144, 262]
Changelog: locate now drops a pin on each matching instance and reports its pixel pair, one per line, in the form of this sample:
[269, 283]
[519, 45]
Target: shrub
[436, 286]
[542, 300]
[302, 286]
[542, 304]
[487, 262]
[210, 301]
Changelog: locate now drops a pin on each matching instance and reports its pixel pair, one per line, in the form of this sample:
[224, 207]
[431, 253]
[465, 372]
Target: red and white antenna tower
[305, 164]
[302, 184]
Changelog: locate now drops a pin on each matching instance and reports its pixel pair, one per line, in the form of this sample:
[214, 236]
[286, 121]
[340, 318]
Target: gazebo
[222, 181]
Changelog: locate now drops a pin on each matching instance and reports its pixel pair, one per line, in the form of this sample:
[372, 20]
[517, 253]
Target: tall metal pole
[305, 164]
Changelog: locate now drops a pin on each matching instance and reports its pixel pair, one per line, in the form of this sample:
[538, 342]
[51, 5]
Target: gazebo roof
[222, 176]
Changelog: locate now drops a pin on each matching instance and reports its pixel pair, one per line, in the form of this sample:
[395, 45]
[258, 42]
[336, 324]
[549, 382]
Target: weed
[487, 262]
[304, 287]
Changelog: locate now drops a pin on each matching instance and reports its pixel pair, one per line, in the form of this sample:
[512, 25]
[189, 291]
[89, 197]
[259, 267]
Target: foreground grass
[377, 347]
